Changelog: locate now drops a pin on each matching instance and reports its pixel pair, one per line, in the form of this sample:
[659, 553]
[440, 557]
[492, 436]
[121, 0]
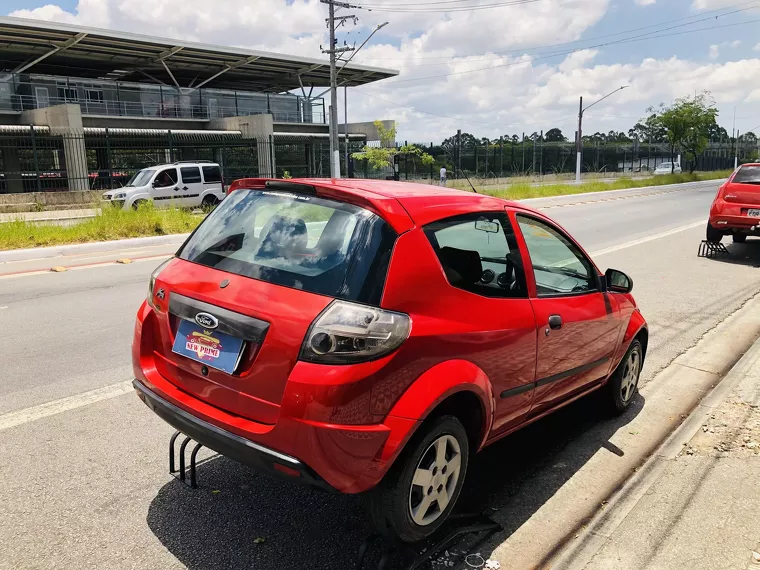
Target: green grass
[110, 224]
[522, 191]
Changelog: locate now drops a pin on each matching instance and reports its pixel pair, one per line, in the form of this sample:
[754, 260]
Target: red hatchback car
[368, 336]
[736, 208]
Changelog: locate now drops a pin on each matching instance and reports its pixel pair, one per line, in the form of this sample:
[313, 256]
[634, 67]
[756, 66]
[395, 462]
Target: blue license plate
[213, 348]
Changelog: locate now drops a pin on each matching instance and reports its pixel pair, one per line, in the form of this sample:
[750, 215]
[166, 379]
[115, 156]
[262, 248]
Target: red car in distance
[369, 336]
[736, 208]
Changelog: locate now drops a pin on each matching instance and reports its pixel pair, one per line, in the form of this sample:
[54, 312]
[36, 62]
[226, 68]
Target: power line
[475, 8]
[701, 17]
[556, 54]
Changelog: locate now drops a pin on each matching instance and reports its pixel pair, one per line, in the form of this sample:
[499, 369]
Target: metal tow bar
[710, 249]
[413, 556]
[182, 471]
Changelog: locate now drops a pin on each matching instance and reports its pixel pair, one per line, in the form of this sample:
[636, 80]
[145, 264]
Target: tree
[687, 123]
[554, 135]
[648, 129]
[384, 155]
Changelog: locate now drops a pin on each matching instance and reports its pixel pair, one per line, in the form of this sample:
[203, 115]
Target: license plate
[753, 213]
[215, 349]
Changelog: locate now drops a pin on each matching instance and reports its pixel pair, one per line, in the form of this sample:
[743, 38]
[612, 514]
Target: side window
[558, 265]
[212, 174]
[479, 253]
[167, 177]
[190, 174]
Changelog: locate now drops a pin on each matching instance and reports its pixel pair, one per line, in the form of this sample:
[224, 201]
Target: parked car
[736, 208]
[370, 336]
[182, 184]
[667, 168]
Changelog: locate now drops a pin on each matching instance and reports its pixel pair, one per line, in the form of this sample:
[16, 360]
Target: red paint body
[729, 210]
[348, 423]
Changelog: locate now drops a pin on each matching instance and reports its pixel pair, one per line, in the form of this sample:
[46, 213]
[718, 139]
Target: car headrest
[462, 266]
[284, 237]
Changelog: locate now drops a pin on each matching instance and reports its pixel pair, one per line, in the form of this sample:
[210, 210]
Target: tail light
[152, 283]
[347, 333]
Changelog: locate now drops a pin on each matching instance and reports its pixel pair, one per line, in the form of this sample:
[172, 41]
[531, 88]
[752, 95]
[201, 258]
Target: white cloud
[513, 92]
[714, 51]
[644, 2]
[736, 43]
[757, 47]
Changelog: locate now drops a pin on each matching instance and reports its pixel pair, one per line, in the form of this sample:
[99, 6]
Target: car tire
[624, 383]
[209, 202]
[713, 235]
[399, 506]
[740, 238]
[139, 202]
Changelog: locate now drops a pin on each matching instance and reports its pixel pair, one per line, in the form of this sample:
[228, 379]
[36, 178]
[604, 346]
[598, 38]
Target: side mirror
[618, 282]
[154, 184]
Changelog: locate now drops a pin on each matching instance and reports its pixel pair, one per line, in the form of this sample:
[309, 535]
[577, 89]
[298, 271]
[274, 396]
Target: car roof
[424, 203]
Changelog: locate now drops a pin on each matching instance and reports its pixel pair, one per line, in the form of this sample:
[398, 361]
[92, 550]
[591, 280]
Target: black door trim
[571, 372]
[518, 390]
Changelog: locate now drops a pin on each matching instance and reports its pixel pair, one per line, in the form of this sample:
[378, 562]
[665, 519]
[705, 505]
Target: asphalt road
[83, 475]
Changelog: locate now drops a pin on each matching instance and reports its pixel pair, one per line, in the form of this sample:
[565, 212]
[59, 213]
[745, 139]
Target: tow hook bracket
[710, 249]
[181, 472]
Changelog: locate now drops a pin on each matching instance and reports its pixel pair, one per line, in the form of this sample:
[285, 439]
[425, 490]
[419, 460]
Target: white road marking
[20, 417]
[647, 239]
[88, 266]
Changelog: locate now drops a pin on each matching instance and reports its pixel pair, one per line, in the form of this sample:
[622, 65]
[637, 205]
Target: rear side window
[747, 175]
[212, 174]
[190, 174]
[304, 242]
[479, 253]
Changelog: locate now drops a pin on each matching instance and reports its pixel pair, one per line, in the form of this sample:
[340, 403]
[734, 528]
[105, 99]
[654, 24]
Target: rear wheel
[420, 491]
[740, 238]
[624, 383]
[713, 235]
[209, 202]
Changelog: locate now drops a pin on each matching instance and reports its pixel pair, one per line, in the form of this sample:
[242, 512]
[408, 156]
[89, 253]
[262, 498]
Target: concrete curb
[588, 542]
[93, 247]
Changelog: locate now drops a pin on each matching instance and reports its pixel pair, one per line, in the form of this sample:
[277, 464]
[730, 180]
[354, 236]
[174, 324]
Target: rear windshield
[665, 165]
[304, 242]
[748, 175]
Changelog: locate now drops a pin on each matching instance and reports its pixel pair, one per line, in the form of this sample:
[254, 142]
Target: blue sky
[431, 50]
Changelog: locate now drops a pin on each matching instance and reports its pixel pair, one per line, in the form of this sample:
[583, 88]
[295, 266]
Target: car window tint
[558, 265]
[313, 244]
[190, 174]
[747, 175]
[167, 177]
[212, 174]
[479, 253]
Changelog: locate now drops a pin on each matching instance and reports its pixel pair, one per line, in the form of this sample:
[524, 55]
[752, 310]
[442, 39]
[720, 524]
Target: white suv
[666, 168]
[182, 184]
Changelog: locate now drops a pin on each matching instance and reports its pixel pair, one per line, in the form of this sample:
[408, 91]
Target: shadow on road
[741, 253]
[217, 526]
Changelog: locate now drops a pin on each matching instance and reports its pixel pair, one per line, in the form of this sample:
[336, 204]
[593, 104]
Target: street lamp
[578, 143]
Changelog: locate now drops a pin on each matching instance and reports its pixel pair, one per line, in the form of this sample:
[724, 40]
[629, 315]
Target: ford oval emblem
[206, 321]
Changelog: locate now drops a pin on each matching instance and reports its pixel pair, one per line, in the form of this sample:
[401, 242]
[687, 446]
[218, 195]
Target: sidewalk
[700, 507]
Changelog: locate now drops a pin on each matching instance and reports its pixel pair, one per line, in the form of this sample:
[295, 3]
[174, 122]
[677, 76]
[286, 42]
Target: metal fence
[43, 159]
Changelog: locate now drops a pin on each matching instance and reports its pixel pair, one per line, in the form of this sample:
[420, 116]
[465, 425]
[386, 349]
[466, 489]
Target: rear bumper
[227, 443]
[733, 222]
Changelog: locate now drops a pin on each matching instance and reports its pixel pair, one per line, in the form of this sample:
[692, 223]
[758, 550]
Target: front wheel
[740, 238]
[713, 235]
[624, 382]
[419, 492]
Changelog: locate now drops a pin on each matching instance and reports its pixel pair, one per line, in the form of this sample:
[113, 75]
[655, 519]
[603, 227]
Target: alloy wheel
[435, 480]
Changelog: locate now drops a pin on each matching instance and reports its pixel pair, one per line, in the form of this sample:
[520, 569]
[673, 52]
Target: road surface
[83, 476]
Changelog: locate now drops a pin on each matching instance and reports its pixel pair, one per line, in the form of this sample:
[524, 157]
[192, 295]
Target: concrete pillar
[257, 127]
[65, 121]
[12, 169]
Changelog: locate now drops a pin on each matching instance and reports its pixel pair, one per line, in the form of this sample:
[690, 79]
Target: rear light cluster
[152, 284]
[347, 333]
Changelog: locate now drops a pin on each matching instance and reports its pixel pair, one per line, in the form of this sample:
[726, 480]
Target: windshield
[665, 165]
[747, 175]
[304, 242]
[141, 178]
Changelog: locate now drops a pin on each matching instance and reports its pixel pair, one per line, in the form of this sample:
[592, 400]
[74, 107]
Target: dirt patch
[732, 430]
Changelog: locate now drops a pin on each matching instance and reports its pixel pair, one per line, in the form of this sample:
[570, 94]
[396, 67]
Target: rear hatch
[251, 280]
[744, 188]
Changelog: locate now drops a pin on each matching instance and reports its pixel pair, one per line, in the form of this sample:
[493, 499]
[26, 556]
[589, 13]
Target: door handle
[185, 188]
[555, 322]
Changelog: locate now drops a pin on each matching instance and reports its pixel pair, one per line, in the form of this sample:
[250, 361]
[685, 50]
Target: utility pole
[345, 123]
[333, 51]
[579, 141]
